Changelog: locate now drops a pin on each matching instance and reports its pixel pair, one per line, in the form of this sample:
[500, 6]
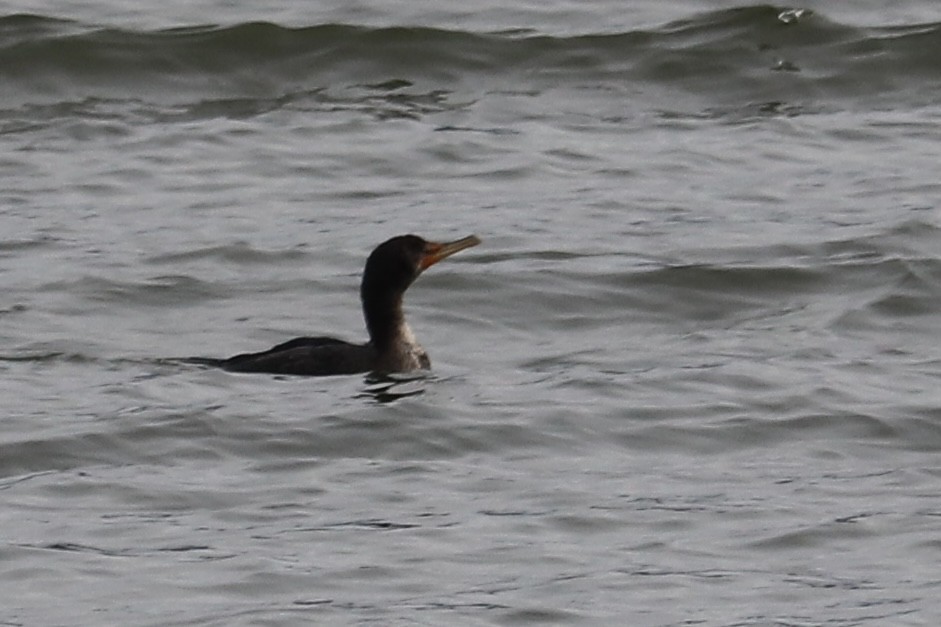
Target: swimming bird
[390, 270]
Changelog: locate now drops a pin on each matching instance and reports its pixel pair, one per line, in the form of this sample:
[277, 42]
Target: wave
[756, 51]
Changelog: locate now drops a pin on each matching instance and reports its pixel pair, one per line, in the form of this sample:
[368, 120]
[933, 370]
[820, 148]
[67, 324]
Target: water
[690, 377]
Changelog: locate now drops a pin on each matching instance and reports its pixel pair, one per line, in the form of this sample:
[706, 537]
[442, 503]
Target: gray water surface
[691, 376]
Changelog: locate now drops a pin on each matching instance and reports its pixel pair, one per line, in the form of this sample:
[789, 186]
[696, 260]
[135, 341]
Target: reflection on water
[392, 387]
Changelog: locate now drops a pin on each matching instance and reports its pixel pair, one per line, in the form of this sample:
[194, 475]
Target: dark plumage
[390, 270]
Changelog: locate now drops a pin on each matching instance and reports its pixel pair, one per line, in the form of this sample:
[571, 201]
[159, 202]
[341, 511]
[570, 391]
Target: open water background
[692, 376]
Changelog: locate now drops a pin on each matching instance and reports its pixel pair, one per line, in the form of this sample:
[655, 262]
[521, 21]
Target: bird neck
[385, 320]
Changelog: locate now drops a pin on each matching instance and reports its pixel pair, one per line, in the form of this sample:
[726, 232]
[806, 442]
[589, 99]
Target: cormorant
[390, 270]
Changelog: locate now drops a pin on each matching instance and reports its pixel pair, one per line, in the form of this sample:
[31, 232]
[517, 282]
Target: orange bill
[435, 252]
